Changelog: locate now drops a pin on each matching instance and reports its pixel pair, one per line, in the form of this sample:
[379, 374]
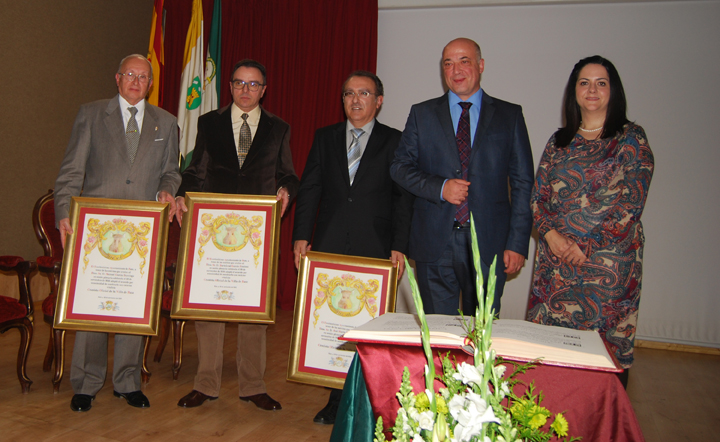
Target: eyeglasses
[253, 86]
[132, 77]
[351, 95]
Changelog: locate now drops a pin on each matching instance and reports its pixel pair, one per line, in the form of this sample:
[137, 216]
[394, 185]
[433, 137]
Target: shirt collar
[367, 128]
[253, 116]
[140, 106]
[475, 99]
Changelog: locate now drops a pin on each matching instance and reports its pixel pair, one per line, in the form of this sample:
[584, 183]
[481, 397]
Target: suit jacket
[501, 155]
[369, 218]
[214, 166]
[96, 161]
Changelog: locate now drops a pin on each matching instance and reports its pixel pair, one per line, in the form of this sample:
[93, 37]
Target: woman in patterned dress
[589, 193]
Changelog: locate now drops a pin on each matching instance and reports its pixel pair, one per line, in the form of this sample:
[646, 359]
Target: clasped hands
[565, 248]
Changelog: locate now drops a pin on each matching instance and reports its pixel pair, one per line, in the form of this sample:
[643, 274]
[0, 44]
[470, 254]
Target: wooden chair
[18, 313]
[50, 263]
[178, 326]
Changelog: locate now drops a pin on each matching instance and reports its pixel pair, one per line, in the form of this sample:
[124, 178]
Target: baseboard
[655, 345]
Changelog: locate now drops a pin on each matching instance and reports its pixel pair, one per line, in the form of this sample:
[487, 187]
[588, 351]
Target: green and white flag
[191, 85]
[212, 65]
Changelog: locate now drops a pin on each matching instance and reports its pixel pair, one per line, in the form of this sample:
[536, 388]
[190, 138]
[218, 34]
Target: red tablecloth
[594, 402]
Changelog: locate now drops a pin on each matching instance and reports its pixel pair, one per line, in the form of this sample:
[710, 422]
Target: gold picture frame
[335, 293]
[228, 258]
[113, 266]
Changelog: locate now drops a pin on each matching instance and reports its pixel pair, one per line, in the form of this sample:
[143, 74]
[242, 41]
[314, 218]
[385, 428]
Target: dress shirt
[253, 120]
[456, 111]
[124, 105]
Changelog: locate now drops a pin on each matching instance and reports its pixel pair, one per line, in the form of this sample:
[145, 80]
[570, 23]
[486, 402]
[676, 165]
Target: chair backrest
[43, 219]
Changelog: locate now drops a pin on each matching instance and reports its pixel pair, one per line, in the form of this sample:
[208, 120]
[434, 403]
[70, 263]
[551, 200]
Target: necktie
[132, 134]
[354, 153]
[462, 138]
[244, 140]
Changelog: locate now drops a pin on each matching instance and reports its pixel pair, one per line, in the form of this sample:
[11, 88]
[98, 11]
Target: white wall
[668, 56]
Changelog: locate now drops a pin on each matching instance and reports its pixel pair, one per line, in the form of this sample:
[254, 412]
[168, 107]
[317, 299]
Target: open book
[512, 339]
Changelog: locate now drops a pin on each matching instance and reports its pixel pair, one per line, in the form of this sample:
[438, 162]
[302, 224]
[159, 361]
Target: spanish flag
[191, 85]
[156, 54]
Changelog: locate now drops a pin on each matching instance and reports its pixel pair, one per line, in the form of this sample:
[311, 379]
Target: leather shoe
[326, 416]
[263, 401]
[81, 402]
[194, 399]
[134, 398]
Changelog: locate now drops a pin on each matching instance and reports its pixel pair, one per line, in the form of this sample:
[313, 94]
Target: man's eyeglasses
[253, 86]
[351, 95]
[132, 77]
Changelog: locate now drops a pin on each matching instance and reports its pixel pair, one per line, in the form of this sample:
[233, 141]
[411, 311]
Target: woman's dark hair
[617, 106]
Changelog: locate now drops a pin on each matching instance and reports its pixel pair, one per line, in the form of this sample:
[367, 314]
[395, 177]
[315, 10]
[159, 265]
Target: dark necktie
[244, 140]
[132, 134]
[462, 138]
[354, 153]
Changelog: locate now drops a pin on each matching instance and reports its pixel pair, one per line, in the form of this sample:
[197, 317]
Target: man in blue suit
[458, 154]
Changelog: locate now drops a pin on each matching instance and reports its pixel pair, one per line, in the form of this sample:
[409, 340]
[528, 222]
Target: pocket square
[159, 139]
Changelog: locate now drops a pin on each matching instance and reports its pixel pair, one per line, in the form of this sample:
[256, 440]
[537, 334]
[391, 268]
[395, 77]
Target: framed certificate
[227, 261]
[335, 293]
[113, 266]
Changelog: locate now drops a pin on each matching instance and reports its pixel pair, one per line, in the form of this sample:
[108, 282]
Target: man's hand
[285, 197]
[455, 191]
[398, 260]
[513, 261]
[165, 197]
[65, 229]
[181, 208]
[300, 249]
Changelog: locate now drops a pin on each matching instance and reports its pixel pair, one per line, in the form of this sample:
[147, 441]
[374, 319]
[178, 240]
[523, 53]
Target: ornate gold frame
[316, 289]
[86, 216]
[261, 234]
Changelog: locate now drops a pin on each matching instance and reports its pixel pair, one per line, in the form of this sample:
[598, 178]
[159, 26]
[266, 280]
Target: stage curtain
[308, 48]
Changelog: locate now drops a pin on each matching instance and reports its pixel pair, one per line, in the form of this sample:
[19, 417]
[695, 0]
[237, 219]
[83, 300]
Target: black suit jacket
[501, 156]
[369, 218]
[214, 166]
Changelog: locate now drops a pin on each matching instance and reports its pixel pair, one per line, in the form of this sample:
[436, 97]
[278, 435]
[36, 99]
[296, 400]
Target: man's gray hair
[141, 57]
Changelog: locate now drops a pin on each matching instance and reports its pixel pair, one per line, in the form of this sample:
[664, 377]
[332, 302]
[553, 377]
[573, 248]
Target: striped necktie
[354, 153]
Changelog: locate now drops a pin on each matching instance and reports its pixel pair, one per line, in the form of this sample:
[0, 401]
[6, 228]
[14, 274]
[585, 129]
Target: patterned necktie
[462, 138]
[244, 140]
[132, 134]
[354, 153]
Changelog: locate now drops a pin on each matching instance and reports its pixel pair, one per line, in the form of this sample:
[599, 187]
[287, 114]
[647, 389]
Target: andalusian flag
[156, 54]
[191, 85]
[212, 65]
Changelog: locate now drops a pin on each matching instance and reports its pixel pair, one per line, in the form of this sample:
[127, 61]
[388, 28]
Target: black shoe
[134, 398]
[81, 402]
[326, 416]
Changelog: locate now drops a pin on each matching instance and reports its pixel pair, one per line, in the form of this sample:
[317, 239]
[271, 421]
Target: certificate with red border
[227, 261]
[113, 266]
[335, 294]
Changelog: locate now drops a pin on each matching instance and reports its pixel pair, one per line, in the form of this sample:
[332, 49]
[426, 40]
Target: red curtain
[308, 48]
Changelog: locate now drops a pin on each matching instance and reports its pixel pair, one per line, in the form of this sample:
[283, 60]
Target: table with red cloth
[593, 402]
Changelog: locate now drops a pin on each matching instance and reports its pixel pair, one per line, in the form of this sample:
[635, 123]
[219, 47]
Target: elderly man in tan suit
[120, 148]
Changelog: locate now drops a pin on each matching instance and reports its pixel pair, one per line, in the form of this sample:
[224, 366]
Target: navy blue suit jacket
[501, 157]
